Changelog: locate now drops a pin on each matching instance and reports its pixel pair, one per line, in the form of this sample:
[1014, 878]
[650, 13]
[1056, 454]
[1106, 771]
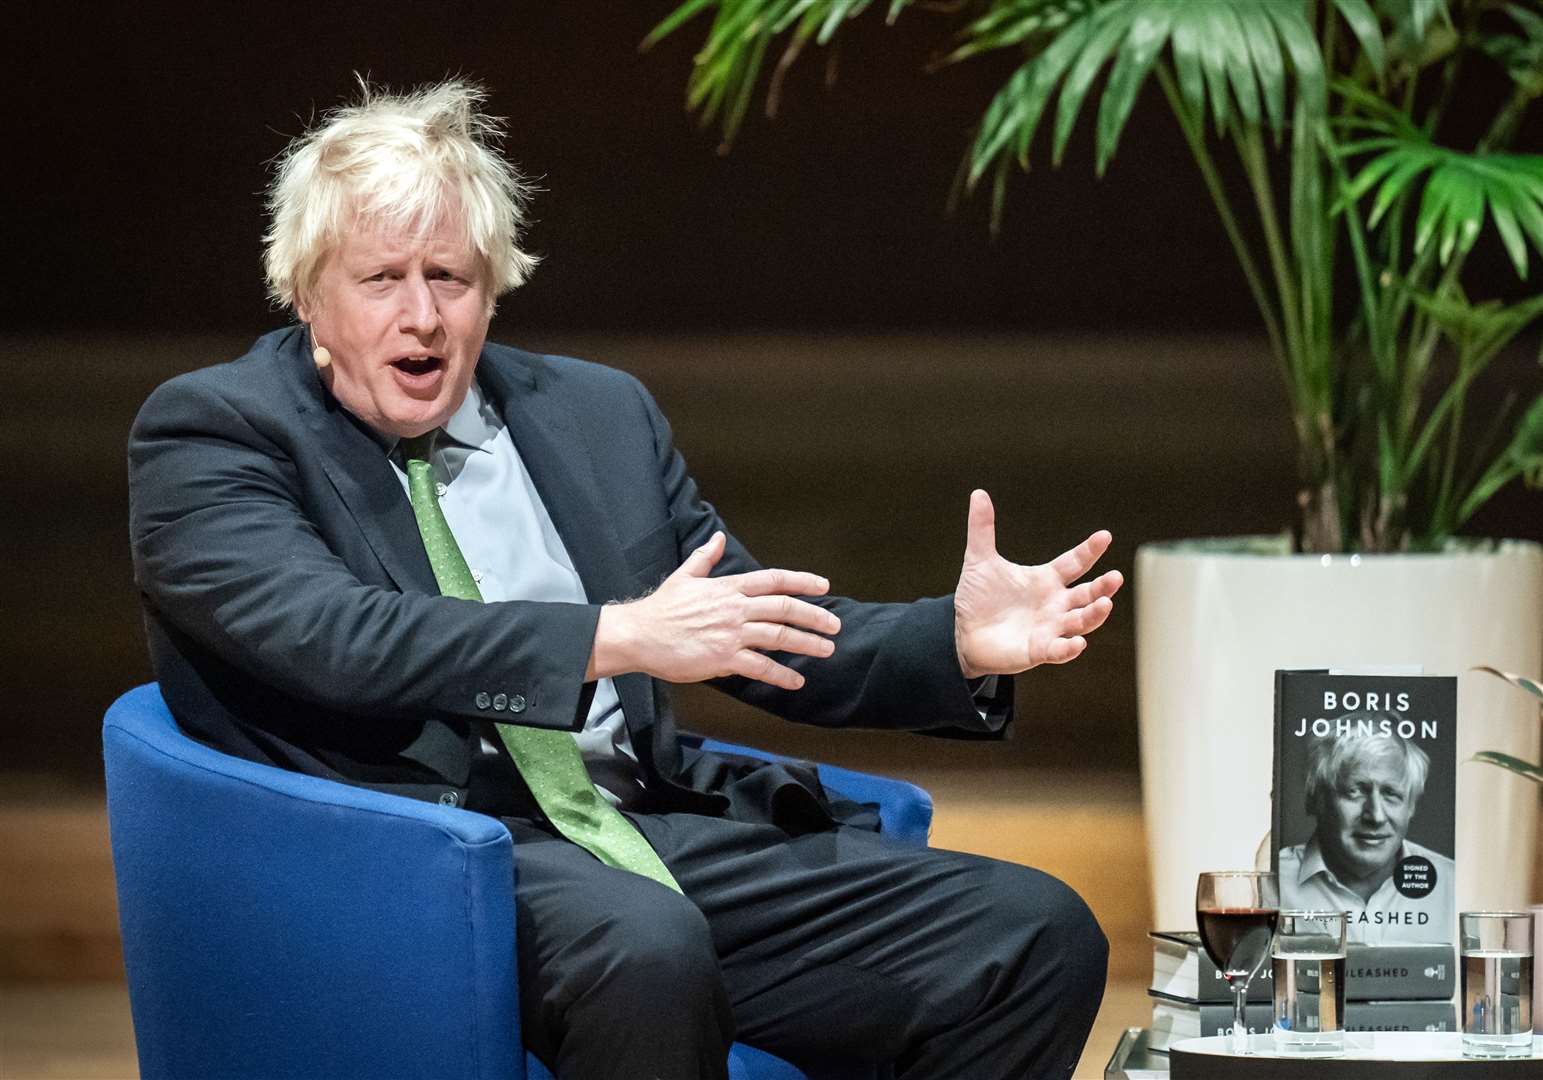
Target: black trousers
[833, 945]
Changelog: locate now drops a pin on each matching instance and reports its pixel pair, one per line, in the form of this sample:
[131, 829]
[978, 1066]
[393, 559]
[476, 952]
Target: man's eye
[377, 277]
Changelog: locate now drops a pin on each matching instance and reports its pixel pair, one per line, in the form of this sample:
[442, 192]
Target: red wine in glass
[1237, 913]
[1237, 939]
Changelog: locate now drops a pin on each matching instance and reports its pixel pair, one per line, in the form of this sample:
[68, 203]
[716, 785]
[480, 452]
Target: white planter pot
[1211, 628]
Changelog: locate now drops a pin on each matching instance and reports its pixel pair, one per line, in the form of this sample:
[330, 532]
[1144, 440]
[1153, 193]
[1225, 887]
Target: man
[1362, 791]
[382, 550]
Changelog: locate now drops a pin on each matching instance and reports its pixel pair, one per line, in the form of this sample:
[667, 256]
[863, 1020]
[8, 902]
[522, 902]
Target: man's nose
[420, 311]
[1372, 808]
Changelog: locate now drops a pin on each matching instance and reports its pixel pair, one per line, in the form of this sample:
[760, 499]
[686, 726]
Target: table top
[1406, 1055]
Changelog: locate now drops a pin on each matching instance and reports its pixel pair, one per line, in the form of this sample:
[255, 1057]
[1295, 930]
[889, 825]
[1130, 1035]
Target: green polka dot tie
[548, 760]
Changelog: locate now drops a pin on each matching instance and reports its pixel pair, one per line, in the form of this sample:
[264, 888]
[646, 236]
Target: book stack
[1405, 987]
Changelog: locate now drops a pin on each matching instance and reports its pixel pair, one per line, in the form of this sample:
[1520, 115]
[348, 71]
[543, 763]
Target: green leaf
[1015, 111]
[1406, 168]
[1018, 22]
[1232, 43]
[1306, 61]
[1521, 682]
[1522, 57]
[1186, 60]
[1524, 769]
[1148, 34]
[1458, 187]
[1422, 30]
[1264, 48]
[1363, 23]
[1500, 202]
[675, 20]
[1110, 25]
[1208, 20]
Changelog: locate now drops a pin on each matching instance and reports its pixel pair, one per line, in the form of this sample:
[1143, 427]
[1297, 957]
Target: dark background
[843, 360]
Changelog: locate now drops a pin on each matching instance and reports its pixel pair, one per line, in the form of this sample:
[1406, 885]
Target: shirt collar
[1312, 862]
[474, 425]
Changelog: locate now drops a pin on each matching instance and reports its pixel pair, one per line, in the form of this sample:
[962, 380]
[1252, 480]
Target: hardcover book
[1364, 808]
[1407, 972]
[1411, 971]
[1173, 1019]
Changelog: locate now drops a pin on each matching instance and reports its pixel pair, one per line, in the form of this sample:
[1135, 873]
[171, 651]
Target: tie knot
[418, 447]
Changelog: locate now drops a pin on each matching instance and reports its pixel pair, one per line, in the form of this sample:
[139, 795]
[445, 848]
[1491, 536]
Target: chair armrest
[905, 810]
[280, 925]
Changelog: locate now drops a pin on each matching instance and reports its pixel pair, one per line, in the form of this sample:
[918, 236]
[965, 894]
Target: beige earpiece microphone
[322, 357]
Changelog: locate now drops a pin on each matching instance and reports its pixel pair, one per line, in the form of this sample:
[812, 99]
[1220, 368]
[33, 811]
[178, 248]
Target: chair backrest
[277, 925]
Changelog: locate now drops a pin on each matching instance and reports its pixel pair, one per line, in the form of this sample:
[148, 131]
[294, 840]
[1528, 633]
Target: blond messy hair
[395, 161]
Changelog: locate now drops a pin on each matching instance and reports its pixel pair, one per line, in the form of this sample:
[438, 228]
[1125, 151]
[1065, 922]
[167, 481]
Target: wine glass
[1236, 911]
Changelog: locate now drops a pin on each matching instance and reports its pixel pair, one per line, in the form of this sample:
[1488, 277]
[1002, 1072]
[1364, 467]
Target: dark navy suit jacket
[293, 618]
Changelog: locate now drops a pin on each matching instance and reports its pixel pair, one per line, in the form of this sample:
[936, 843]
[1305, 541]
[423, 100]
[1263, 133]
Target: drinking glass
[1497, 983]
[1308, 967]
[1236, 911]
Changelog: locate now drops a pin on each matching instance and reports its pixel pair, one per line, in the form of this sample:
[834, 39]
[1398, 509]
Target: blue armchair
[279, 925]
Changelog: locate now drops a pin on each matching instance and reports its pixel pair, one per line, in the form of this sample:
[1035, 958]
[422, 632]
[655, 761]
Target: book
[1365, 799]
[1181, 969]
[1411, 971]
[1174, 1019]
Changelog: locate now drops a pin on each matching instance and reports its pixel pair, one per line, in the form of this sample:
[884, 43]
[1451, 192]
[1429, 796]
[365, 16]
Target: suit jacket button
[500, 701]
[517, 703]
[483, 701]
[447, 799]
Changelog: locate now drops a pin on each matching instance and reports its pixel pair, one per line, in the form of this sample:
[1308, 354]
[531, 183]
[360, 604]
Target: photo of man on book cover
[1365, 801]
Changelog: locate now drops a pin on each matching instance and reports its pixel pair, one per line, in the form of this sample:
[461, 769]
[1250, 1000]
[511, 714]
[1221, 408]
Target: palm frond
[1012, 23]
[1520, 54]
[1525, 769]
[727, 68]
[1458, 189]
[1231, 59]
[1422, 30]
[1521, 682]
[1362, 20]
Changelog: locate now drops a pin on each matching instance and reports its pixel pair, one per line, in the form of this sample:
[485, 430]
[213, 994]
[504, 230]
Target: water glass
[1307, 961]
[1497, 953]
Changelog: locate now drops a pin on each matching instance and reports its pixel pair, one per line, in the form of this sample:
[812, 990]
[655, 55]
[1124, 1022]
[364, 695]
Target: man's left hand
[1009, 618]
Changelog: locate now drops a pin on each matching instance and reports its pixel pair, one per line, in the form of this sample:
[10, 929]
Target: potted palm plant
[1350, 102]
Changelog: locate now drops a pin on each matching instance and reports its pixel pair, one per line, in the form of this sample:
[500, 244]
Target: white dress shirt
[1388, 916]
[514, 553]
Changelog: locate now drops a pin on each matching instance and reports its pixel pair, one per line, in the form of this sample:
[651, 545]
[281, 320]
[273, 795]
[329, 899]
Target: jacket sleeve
[895, 665]
[226, 551]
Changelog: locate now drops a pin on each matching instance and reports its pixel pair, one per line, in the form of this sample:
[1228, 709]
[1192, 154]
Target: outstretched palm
[1009, 618]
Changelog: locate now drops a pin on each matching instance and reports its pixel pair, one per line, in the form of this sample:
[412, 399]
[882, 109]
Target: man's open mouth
[418, 365]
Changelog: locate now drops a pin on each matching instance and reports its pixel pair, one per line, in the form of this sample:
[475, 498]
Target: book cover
[1364, 806]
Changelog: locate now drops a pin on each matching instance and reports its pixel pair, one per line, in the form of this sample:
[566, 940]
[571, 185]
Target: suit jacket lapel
[360, 472]
[551, 443]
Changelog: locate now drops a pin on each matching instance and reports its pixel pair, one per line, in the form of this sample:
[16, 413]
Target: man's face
[404, 314]
[1364, 816]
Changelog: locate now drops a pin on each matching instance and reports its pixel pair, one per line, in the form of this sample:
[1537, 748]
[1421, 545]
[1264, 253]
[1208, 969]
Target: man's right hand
[695, 627]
